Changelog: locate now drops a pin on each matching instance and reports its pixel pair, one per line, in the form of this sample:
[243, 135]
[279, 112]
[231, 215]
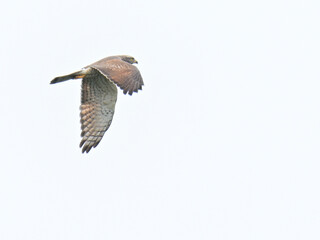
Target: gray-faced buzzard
[99, 94]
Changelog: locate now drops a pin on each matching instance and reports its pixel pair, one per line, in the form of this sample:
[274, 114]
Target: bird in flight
[99, 94]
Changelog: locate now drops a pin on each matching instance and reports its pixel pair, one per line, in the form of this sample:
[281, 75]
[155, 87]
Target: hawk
[99, 94]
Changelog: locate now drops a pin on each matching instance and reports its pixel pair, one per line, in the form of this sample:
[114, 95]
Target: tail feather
[75, 75]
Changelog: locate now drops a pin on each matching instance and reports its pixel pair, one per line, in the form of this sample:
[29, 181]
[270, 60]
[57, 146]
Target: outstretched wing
[98, 99]
[125, 75]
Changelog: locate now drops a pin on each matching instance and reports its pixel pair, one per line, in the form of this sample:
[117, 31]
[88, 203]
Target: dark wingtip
[86, 149]
[54, 81]
[81, 143]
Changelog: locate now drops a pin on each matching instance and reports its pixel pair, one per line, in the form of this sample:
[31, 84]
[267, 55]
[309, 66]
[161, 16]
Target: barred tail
[75, 75]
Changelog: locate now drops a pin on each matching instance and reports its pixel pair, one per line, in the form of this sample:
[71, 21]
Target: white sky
[222, 143]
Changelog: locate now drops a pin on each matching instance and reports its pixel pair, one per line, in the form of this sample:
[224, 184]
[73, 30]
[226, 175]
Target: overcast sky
[222, 143]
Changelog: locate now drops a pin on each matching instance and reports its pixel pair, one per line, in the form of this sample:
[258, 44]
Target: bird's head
[128, 59]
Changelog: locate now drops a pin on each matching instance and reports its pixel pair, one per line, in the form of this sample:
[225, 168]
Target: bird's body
[99, 94]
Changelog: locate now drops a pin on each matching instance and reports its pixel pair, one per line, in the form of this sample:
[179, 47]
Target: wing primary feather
[98, 100]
